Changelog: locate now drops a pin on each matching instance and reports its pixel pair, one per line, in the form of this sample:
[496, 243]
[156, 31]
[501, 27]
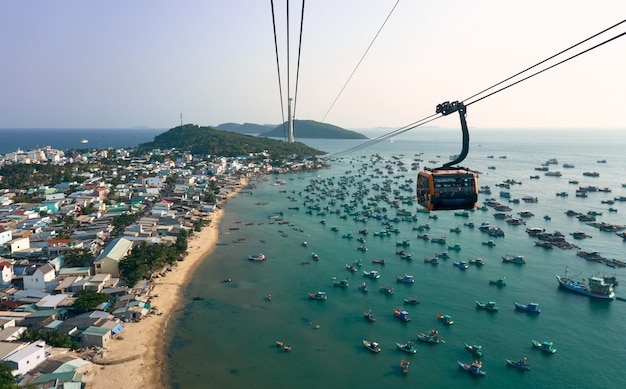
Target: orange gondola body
[449, 187]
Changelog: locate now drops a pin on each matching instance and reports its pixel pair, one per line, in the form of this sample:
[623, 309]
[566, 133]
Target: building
[109, 260]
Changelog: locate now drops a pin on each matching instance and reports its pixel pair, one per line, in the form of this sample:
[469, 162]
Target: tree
[78, 257]
[89, 299]
[7, 380]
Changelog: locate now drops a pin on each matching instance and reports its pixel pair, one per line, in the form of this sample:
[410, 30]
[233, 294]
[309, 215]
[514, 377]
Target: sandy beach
[134, 358]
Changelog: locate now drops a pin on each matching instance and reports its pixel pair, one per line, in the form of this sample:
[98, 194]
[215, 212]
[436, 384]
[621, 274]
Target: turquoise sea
[228, 339]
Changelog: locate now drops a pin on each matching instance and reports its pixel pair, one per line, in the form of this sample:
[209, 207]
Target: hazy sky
[121, 63]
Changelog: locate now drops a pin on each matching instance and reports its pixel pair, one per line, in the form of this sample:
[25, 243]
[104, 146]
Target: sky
[125, 64]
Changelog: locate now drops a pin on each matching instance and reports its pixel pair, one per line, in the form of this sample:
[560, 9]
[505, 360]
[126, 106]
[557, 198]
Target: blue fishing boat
[401, 314]
[530, 307]
[521, 364]
[407, 278]
[474, 368]
[373, 274]
[461, 265]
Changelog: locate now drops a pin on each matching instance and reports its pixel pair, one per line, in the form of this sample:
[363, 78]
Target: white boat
[256, 257]
[84, 140]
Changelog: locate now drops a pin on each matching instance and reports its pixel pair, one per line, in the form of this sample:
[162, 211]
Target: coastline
[134, 358]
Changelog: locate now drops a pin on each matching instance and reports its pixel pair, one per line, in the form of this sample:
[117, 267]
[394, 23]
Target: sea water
[228, 339]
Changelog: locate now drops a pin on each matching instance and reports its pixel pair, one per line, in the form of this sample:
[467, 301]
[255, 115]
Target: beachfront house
[24, 357]
[6, 273]
[109, 260]
[38, 278]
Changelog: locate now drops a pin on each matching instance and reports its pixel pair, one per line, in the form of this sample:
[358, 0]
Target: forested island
[308, 129]
[210, 141]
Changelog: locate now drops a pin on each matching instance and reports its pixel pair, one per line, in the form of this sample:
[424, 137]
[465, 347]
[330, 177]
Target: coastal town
[106, 211]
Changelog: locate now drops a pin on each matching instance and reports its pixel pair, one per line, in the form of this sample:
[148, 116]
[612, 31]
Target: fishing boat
[315, 257]
[596, 287]
[489, 243]
[342, 283]
[369, 316]
[408, 347]
[403, 243]
[363, 288]
[373, 274]
[477, 261]
[498, 282]
[461, 264]
[404, 366]
[545, 346]
[490, 306]
[352, 267]
[411, 300]
[432, 260]
[517, 259]
[530, 307]
[256, 257]
[440, 240]
[371, 345]
[431, 337]
[473, 368]
[447, 319]
[521, 364]
[318, 296]
[455, 247]
[475, 349]
[379, 261]
[386, 290]
[401, 314]
[407, 278]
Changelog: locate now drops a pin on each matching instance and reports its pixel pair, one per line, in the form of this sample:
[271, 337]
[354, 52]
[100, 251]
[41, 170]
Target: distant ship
[84, 140]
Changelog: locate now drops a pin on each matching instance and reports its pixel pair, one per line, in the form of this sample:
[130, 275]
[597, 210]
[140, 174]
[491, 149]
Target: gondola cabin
[447, 189]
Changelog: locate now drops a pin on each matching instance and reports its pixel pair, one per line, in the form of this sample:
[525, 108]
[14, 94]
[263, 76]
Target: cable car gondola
[449, 187]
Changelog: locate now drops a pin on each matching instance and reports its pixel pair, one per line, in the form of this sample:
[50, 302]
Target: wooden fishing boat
[489, 306]
[430, 337]
[521, 364]
[401, 314]
[318, 296]
[475, 349]
[447, 319]
[546, 347]
[404, 366]
[408, 347]
[474, 368]
[371, 345]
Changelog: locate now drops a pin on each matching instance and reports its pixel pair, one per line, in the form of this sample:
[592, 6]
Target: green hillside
[209, 141]
[313, 129]
[245, 128]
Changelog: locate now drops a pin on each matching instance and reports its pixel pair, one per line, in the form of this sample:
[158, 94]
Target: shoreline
[134, 359]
